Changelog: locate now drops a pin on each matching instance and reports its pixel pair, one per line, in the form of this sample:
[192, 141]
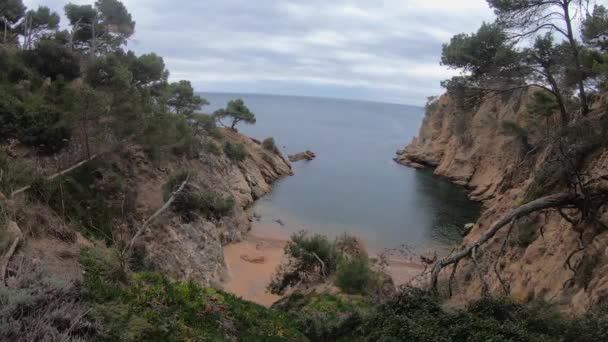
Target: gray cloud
[383, 50]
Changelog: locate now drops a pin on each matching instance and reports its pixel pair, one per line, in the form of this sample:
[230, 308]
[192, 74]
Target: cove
[354, 186]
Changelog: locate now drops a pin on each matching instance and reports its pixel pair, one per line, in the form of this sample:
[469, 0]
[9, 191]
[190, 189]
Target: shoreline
[252, 262]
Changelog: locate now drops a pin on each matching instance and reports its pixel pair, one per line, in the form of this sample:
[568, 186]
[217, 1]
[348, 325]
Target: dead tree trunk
[552, 201]
[129, 249]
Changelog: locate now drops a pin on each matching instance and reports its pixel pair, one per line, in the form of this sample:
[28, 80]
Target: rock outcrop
[306, 155]
[193, 250]
[471, 148]
[128, 186]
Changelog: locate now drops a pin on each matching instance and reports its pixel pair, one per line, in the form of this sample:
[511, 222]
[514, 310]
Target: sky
[378, 50]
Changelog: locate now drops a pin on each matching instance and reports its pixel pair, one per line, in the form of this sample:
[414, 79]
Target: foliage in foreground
[39, 307]
[148, 307]
[417, 315]
[326, 317]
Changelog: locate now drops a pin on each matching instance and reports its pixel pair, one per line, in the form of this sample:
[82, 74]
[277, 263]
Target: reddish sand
[252, 263]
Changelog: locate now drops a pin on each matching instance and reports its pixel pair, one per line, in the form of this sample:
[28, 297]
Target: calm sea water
[354, 186]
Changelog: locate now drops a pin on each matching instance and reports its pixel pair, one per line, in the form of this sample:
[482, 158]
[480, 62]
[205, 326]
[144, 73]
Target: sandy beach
[252, 263]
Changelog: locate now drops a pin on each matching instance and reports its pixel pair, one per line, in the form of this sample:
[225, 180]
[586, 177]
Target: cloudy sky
[381, 50]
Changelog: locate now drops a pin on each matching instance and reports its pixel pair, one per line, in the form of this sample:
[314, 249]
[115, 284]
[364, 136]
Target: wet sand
[252, 263]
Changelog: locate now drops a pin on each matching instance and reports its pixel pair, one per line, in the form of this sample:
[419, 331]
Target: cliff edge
[506, 158]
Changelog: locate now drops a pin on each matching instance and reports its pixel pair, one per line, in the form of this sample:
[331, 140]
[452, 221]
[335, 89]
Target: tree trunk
[579, 71]
[5, 30]
[93, 40]
[565, 118]
[75, 29]
[551, 201]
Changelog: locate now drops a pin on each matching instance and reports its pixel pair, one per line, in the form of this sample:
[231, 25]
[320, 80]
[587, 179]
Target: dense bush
[79, 198]
[309, 257]
[53, 60]
[15, 174]
[148, 307]
[235, 151]
[355, 276]
[269, 145]
[191, 201]
[417, 315]
[325, 317]
[34, 122]
[44, 126]
[313, 258]
[212, 148]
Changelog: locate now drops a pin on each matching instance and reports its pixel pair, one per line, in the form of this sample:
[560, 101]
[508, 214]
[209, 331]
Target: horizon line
[309, 96]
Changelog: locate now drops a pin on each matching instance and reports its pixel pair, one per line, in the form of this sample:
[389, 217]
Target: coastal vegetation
[84, 124]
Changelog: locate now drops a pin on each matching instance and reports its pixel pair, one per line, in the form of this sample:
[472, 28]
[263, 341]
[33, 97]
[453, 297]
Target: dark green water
[354, 186]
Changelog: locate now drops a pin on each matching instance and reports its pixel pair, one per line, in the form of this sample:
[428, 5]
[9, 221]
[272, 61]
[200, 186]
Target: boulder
[306, 155]
[467, 228]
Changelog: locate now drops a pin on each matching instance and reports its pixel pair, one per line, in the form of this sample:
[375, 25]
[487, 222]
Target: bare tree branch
[552, 201]
[128, 250]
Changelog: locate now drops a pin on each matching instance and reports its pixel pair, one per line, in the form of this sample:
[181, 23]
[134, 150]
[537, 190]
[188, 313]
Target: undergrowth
[148, 307]
[192, 201]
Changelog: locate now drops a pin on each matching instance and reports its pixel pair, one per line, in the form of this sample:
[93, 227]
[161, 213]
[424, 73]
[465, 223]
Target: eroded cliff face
[530, 260]
[193, 250]
[130, 185]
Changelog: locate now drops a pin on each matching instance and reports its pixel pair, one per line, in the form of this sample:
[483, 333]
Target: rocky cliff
[550, 256]
[108, 198]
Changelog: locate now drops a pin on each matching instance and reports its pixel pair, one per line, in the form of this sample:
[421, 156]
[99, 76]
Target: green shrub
[34, 122]
[417, 315]
[149, 307]
[235, 152]
[175, 181]
[354, 275]
[15, 174]
[191, 202]
[165, 133]
[207, 123]
[78, 198]
[269, 145]
[303, 253]
[323, 316]
[53, 60]
[44, 127]
[212, 148]
[208, 204]
[185, 142]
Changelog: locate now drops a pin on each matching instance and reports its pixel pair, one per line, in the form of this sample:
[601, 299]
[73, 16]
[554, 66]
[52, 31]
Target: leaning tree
[237, 111]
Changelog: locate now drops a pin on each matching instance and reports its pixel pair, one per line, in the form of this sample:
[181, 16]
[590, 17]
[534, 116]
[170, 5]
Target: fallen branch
[128, 250]
[321, 263]
[12, 226]
[552, 201]
[504, 285]
[58, 174]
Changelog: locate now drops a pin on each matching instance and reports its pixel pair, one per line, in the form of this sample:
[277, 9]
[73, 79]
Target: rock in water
[467, 228]
[306, 155]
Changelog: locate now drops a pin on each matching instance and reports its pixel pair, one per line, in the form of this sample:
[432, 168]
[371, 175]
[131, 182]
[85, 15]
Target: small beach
[252, 263]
